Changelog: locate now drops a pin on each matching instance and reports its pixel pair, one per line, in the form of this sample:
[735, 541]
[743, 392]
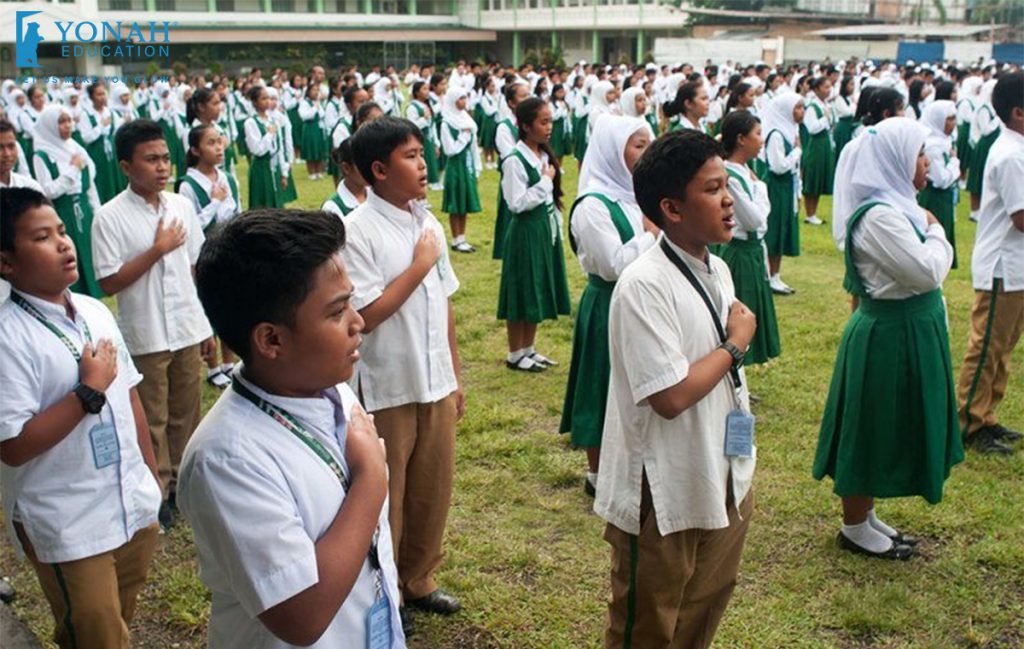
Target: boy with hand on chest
[79, 480]
[677, 457]
[409, 378]
[285, 483]
[145, 243]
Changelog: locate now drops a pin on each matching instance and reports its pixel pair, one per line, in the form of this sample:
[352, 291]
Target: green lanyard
[292, 425]
[34, 312]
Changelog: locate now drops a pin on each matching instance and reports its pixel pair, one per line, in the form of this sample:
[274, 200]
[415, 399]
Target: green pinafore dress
[204, 198]
[460, 192]
[264, 178]
[503, 215]
[818, 163]
[890, 425]
[979, 156]
[110, 181]
[783, 236]
[942, 203]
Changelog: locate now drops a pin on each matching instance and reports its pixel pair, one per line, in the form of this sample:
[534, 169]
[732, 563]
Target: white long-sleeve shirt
[843, 107]
[259, 145]
[217, 210]
[515, 183]
[812, 122]
[942, 174]
[68, 181]
[453, 146]
[775, 154]
[984, 122]
[892, 262]
[598, 245]
[92, 133]
[750, 210]
[504, 142]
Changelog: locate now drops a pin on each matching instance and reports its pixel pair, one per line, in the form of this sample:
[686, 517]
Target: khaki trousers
[997, 320]
[670, 592]
[171, 392]
[420, 440]
[93, 599]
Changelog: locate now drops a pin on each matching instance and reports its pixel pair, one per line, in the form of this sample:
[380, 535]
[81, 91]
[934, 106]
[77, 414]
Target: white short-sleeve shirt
[161, 310]
[406, 359]
[258, 499]
[998, 245]
[658, 326]
[70, 509]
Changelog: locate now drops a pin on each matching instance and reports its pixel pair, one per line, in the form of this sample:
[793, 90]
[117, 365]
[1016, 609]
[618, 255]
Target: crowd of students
[343, 321]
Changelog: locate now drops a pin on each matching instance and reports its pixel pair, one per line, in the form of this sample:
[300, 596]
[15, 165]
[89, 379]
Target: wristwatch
[92, 400]
[734, 351]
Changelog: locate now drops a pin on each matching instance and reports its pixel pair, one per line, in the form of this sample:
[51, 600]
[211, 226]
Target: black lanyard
[734, 371]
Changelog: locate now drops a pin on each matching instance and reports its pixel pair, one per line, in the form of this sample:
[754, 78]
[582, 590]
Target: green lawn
[525, 552]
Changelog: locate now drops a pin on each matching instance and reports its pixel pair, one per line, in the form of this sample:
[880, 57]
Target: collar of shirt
[694, 264]
[1013, 135]
[203, 180]
[347, 197]
[141, 202]
[530, 156]
[405, 218]
[50, 310]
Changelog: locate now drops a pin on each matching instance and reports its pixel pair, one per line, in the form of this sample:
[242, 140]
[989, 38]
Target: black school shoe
[438, 602]
[408, 626]
[1004, 434]
[897, 551]
[167, 516]
[988, 442]
[589, 488]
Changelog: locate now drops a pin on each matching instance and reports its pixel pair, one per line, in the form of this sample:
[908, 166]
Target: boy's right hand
[741, 325]
[428, 249]
[98, 367]
[364, 450]
[169, 237]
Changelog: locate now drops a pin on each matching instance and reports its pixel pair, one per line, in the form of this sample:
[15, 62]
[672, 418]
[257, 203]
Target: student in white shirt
[607, 231]
[462, 166]
[79, 481]
[889, 427]
[677, 506]
[352, 189]
[410, 377]
[506, 136]
[145, 243]
[997, 271]
[984, 131]
[285, 482]
[940, 195]
[688, 108]
[9, 153]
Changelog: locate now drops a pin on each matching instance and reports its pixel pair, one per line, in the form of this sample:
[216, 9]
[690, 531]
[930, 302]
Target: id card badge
[105, 448]
[378, 625]
[739, 434]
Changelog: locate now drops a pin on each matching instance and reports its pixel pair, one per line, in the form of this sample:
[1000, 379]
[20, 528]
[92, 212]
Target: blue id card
[378, 625]
[105, 448]
[739, 434]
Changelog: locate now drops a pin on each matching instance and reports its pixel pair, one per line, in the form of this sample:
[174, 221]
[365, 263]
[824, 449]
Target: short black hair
[14, 203]
[668, 166]
[7, 127]
[131, 134]
[737, 123]
[259, 267]
[374, 142]
[1008, 94]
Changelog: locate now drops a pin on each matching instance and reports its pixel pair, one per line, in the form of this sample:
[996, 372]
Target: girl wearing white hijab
[462, 165]
[966, 104]
[68, 178]
[781, 125]
[581, 114]
[382, 95]
[633, 102]
[121, 102]
[603, 98]
[890, 426]
[607, 230]
[940, 196]
[984, 130]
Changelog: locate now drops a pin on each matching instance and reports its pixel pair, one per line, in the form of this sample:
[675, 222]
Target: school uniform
[941, 194]
[435, 110]
[462, 169]
[964, 116]
[419, 114]
[533, 283]
[264, 148]
[818, 163]
[843, 110]
[160, 316]
[677, 508]
[506, 136]
[21, 180]
[26, 127]
[198, 188]
[245, 479]
[889, 428]
[241, 112]
[312, 141]
[581, 125]
[406, 379]
[782, 173]
[341, 202]
[997, 272]
[84, 512]
[286, 157]
[560, 132]
[488, 107]
[985, 128]
[98, 140]
[745, 255]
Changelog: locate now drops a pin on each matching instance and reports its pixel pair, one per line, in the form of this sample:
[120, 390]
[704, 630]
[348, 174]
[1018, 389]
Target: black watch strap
[92, 400]
[734, 351]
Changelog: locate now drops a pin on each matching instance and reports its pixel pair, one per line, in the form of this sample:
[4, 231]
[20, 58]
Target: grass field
[525, 552]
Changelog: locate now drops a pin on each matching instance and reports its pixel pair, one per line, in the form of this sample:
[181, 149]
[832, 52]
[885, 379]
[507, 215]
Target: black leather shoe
[1004, 434]
[905, 539]
[408, 626]
[589, 488]
[986, 442]
[166, 517]
[438, 602]
[897, 551]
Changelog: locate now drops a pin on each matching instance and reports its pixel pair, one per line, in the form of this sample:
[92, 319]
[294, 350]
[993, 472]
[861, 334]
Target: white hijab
[885, 157]
[933, 117]
[778, 116]
[970, 86]
[460, 119]
[604, 166]
[628, 101]
[599, 98]
[48, 140]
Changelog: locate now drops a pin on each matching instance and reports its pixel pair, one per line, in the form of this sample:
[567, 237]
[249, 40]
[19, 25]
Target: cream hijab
[604, 166]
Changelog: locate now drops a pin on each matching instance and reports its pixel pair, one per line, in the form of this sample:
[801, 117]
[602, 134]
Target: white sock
[460, 239]
[514, 357]
[529, 351]
[812, 216]
[974, 215]
[227, 367]
[592, 477]
[879, 525]
[868, 537]
[210, 371]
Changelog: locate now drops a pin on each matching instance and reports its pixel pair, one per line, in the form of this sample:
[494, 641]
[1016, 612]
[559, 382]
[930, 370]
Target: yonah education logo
[107, 39]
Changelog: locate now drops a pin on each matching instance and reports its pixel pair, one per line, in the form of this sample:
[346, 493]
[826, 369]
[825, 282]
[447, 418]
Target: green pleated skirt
[963, 146]
[488, 131]
[940, 202]
[559, 141]
[296, 122]
[783, 236]
[430, 158]
[745, 258]
[890, 426]
[979, 156]
[243, 148]
[843, 134]
[533, 283]
[590, 369]
[264, 184]
[313, 144]
[818, 165]
[579, 136]
[500, 225]
[289, 193]
[460, 191]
